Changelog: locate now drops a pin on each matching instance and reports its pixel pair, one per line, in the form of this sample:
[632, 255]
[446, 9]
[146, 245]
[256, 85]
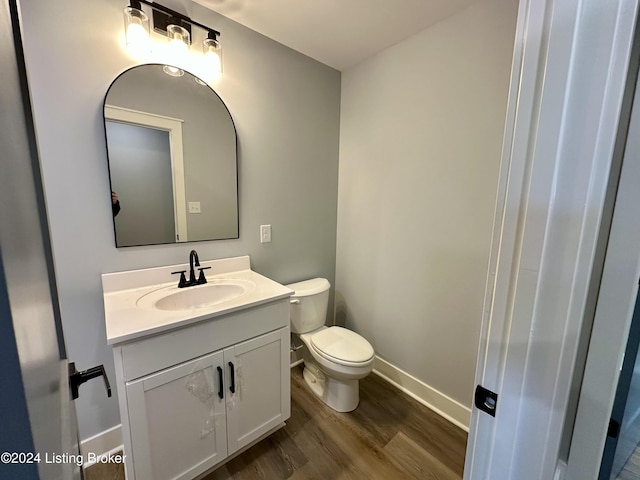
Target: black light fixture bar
[161, 20]
[163, 16]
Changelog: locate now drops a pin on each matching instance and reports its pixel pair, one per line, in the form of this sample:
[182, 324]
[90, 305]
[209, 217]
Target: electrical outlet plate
[265, 233]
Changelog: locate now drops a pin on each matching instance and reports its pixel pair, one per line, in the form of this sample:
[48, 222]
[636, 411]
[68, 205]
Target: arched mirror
[172, 151]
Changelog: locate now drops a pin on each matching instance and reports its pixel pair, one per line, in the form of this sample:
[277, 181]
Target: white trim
[138, 117]
[174, 127]
[435, 400]
[104, 443]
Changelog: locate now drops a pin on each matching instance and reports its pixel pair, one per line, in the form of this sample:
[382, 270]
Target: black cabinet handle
[220, 380]
[232, 388]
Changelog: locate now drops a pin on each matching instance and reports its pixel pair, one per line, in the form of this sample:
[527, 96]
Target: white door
[568, 82]
[257, 387]
[177, 420]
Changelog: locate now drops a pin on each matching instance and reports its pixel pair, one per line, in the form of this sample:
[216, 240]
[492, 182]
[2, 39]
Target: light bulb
[178, 40]
[212, 56]
[173, 71]
[136, 33]
[136, 25]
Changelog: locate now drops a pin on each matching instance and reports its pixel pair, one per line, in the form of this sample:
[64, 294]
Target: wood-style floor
[631, 470]
[389, 436]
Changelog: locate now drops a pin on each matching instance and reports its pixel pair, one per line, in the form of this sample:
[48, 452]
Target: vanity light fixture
[177, 28]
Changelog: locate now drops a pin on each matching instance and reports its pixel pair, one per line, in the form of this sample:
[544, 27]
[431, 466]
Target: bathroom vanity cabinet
[197, 386]
[191, 398]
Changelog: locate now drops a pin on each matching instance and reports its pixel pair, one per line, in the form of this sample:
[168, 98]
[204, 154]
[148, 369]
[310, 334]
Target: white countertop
[126, 321]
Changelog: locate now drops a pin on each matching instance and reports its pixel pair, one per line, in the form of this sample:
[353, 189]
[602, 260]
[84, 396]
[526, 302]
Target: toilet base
[341, 395]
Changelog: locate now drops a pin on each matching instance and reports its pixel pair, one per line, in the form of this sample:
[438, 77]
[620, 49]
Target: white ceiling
[338, 33]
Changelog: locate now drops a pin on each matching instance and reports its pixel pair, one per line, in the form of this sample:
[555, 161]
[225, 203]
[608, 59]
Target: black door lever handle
[77, 378]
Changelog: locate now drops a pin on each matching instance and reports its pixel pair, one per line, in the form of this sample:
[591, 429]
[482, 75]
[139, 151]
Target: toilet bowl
[335, 359]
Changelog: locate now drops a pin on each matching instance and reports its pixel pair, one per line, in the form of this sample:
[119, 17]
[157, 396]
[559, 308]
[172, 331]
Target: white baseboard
[437, 401]
[104, 443]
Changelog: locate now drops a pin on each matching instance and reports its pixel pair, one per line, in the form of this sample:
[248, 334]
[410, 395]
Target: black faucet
[193, 257]
[194, 261]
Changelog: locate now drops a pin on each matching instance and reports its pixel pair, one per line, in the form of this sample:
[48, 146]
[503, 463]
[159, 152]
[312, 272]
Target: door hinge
[486, 400]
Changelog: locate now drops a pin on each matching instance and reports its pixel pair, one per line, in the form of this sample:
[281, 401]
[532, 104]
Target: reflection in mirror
[172, 151]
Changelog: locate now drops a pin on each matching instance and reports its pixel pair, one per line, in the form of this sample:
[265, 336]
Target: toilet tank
[309, 304]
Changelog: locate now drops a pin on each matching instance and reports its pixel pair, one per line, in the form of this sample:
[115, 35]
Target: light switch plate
[194, 207]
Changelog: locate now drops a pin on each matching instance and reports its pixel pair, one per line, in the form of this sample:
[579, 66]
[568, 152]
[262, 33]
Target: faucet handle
[183, 280]
[202, 279]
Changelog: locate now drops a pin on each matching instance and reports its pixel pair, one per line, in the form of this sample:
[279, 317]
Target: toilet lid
[342, 345]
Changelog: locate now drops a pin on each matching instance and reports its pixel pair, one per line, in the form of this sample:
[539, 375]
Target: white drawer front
[155, 353]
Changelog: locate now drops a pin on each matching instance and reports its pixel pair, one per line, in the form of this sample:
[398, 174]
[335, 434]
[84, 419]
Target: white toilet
[334, 358]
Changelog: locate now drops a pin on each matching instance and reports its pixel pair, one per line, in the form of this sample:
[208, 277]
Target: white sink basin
[144, 302]
[197, 297]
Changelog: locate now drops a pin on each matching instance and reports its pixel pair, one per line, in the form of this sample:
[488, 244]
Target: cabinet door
[177, 420]
[257, 387]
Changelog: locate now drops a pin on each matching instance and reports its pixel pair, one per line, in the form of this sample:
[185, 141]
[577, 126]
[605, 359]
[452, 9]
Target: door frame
[567, 85]
[174, 127]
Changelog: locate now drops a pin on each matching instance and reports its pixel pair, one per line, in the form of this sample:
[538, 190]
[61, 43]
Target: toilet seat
[342, 346]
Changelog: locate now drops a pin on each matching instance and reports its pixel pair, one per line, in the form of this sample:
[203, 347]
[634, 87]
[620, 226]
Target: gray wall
[420, 144]
[286, 109]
